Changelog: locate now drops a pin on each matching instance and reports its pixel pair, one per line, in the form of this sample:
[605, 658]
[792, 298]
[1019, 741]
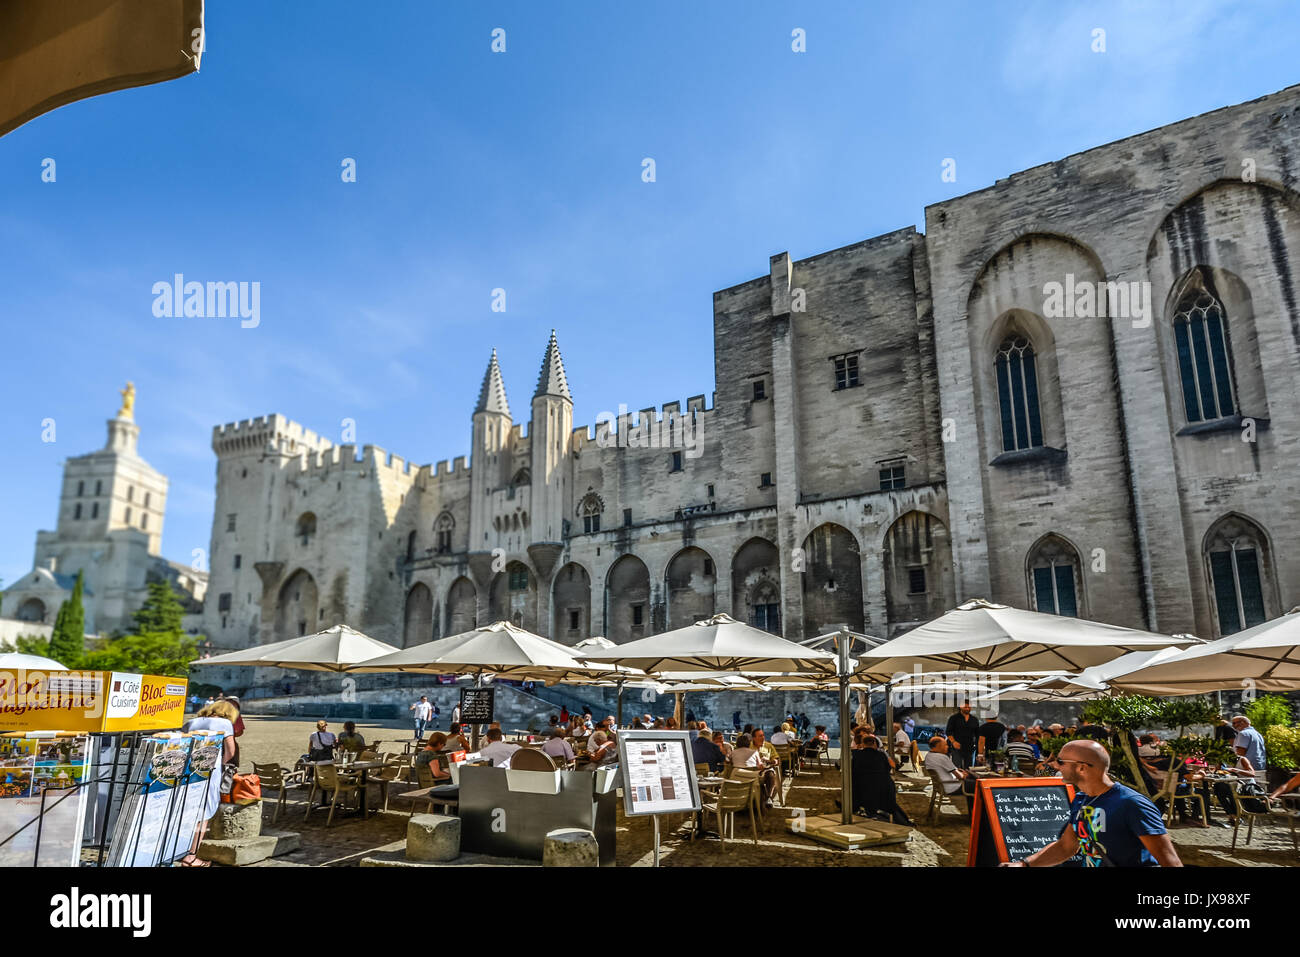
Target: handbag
[317, 751]
[244, 789]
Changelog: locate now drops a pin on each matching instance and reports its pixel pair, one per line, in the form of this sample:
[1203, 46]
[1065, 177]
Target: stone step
[239, 851]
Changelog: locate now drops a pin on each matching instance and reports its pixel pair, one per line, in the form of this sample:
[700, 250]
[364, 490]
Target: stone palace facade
[897, 426]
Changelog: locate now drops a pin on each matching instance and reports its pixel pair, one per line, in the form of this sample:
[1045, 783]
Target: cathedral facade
[1078, 392]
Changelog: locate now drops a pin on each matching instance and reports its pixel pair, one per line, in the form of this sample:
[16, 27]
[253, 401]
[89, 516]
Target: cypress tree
[161, 612]
[67, 643]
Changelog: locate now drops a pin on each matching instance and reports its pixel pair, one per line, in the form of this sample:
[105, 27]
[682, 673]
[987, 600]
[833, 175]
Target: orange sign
[90, 701]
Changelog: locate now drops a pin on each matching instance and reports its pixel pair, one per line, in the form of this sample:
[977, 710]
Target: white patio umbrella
[338, 648]
[1265, 658]
[719, 643]
[17, 661]
[982, 636]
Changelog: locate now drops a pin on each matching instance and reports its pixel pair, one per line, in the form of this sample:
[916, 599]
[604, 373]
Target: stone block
[235, 821]
[432, 838]
[570, 847]
[238, 852]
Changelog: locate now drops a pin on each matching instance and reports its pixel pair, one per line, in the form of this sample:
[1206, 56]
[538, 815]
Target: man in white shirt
[423, 712]
[952, 777]
[497, 750]
[557, 747]
[779, 736]
[902, 743]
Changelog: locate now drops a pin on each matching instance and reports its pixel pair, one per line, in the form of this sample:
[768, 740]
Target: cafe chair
[368, 755]
[702, 771]
[531, 759]
[735, 796]
[733, 773]
[386, 777]
[938, 796]
[1248, 815]
[274, 776]
[339, 784]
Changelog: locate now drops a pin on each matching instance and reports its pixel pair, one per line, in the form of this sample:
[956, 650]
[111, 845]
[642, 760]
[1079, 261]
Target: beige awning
[335, 649]
[55, 52]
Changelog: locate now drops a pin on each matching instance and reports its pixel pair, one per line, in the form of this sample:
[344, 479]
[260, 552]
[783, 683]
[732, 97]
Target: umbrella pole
[475, 729]
[846, 758]
[619, 719]
[889, 720]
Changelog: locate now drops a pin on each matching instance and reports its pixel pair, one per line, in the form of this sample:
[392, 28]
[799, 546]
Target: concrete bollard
[570, 847]
[236, 821]
[432, 837]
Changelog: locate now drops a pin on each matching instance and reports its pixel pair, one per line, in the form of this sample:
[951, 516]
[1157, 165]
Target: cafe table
[365, 767]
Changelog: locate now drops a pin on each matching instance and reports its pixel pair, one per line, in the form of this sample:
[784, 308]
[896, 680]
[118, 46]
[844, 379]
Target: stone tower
[490, 454]
[551, 427]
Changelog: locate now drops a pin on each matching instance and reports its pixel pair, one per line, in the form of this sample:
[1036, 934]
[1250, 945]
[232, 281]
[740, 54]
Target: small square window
[846, 371]
[627, 517]
[223, 602]
[916, 581]
[892, 477]
[638, 614]
[765, 481]
[760, 390]
[677, 462]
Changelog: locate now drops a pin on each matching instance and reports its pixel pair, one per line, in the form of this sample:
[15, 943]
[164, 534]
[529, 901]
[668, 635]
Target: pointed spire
[492, 396]
[552, 380]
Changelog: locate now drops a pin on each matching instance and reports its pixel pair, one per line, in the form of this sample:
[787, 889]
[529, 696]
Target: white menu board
[658, 772]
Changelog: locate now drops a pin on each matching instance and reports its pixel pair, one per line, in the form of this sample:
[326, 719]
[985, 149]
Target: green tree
[1268, 710]
[151, 654]
[1182, 713]
[161, 612]
[67, 643]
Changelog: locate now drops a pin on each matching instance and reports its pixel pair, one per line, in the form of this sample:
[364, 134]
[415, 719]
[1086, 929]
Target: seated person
[601, 749]
[556, 747]
[456, 742]
[1034, 738]
[783, 735]
[813, 744]
[951, 777]
[320, 746]
[705, 751]
[429, 757]
[720, 740]
[349, 740]
[874, 791]
[497, 750]
[902, 743]
[1290, 785]
[750, 753]
[1020, 750]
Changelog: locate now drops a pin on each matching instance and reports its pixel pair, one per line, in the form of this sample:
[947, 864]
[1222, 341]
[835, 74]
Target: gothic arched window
[1017, 377]
[442, 529]
[1204, 360]
[306, 528]
[1236, 554]
[1054, 577]
[765, 601]
[590, 508]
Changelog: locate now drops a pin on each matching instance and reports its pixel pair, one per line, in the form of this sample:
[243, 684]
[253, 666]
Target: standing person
[962, 732]
[1109, 824]
[564, 715]
[990, 734]
[455, 717]
[435, 716]
[874, 791]
[422, 711]
[219, 716]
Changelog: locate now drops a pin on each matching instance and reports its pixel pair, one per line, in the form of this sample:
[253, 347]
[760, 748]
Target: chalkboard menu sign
[1014, 817]
[476, 705]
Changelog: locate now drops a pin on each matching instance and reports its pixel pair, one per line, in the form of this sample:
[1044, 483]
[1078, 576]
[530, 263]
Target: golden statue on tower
[128, 403]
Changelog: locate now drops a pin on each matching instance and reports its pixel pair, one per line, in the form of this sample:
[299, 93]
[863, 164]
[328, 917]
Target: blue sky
[521, 171]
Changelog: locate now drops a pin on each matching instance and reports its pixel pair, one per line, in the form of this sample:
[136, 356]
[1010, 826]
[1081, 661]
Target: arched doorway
[832, 580]
[627, 600]
[756, 585]
[418, 625]
[297, 607]
[690, 580]
[572, 604]
[462, 607]
[918, 571]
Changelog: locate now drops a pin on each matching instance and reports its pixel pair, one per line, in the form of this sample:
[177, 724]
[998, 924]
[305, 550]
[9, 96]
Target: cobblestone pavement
[942, 844]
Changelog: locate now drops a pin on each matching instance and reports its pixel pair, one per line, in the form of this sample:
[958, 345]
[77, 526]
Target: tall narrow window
[590, 509]
[77, 514]
[1204, 360]
[1054, 577]
[1237, 572]
[1018, 395]
[442, 528]
[676, 462]
[81, 489]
